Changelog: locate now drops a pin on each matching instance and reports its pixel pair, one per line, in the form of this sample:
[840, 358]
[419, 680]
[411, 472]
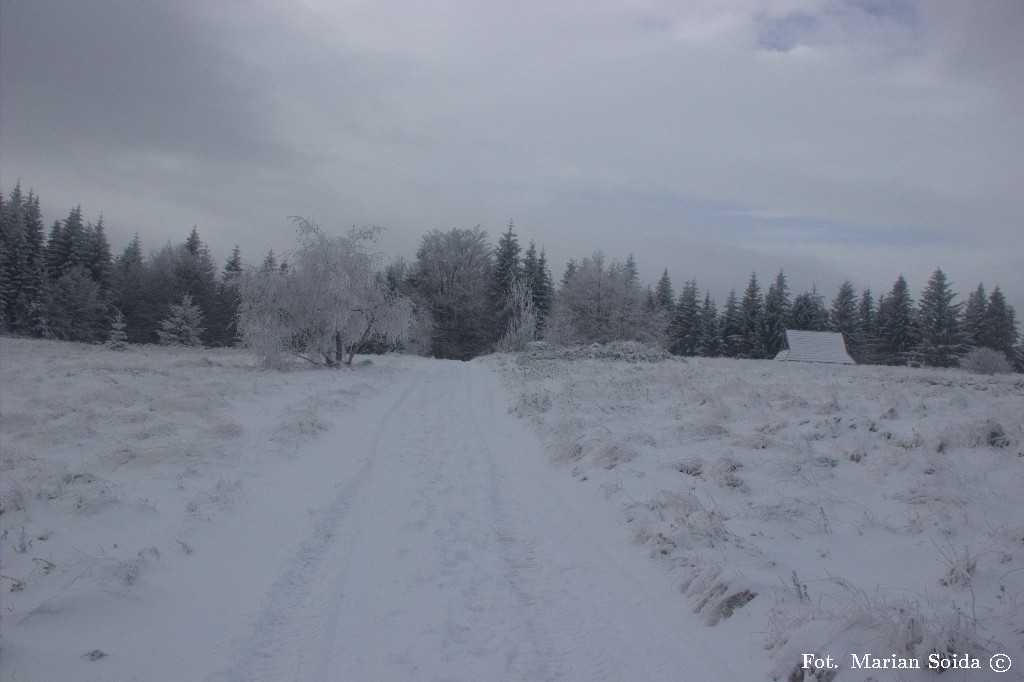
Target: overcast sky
[836, 139]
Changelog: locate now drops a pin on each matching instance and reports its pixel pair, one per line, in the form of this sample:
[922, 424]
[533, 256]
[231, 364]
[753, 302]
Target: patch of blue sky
[658, 209]
[782, 34]
[753, 226]
[904, 11]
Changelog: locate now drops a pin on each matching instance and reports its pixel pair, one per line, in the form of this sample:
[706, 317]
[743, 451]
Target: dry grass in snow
[810, 508]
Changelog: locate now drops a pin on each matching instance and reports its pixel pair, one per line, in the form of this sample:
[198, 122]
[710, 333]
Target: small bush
[986, 361]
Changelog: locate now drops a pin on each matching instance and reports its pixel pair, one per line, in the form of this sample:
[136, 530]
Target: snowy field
[183, 515]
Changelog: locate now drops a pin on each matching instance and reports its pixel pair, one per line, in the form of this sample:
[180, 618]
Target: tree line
[461, 297]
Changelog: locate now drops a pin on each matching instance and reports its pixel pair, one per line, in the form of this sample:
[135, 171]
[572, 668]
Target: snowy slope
[175, 514]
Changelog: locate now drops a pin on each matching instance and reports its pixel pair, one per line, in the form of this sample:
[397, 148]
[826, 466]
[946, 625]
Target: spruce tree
[664, 297]
[897, 333]
[940, 339]
[508, 268]
[777, 308]
[752, 314]
[999, 330]
[30, 303]
[66, 247]
[221, 327]
[809, 312]
[183, 327]
[118, 339]
[685, 328]
[632, 273]
[195, 273]
[973, 322]
[538, 280]
[76, 307]
[133, 295]
[570, 270]
[97, 257]
[710, 337]
[732, 327]
[544, 293]
[842, 317]
[13, 268]
[867, 347]
[76, 300]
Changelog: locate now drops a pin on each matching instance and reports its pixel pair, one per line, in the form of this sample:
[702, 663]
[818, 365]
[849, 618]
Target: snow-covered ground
[809, 509]
[183, 515]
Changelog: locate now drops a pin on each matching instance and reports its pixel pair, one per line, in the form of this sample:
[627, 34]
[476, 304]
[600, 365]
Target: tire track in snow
[296, 620]
[428, 600]
[567, 646]
[448, 556]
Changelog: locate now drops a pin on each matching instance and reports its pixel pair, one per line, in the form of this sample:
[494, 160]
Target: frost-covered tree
[117, 339]
[453, 275]
[329, 300]
[76, 309]
[601, 302]
[522, 320]
[940, 339]
[184, 326]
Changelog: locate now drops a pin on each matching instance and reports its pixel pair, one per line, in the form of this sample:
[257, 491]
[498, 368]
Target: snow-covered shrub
[619, 351]
[981, 433]
[986, 361]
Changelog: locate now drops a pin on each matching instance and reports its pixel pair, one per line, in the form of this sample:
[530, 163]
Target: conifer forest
[463, 295]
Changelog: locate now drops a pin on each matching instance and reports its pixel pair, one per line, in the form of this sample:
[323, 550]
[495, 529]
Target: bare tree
[522, 317]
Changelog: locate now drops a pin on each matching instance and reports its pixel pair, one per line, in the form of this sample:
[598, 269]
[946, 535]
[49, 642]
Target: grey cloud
[589, 125]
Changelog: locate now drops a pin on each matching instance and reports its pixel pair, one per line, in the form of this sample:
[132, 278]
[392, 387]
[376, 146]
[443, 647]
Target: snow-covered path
[453, 551]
